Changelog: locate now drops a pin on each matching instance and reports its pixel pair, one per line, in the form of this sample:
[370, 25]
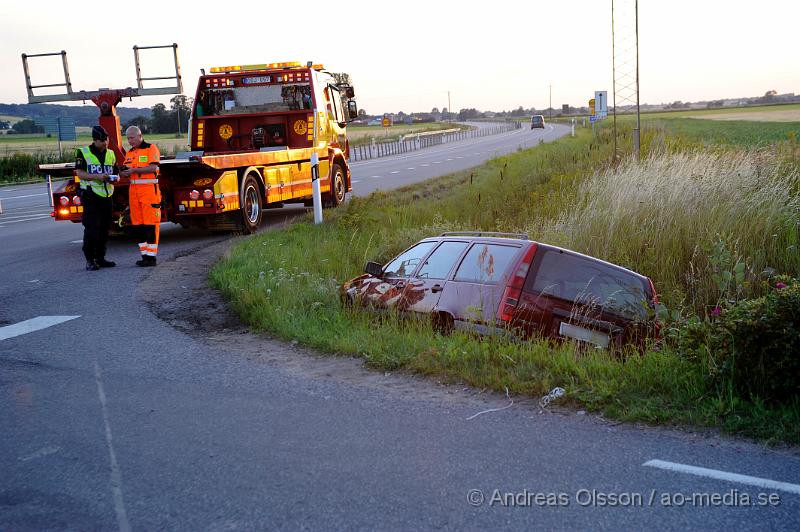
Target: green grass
[562, 193]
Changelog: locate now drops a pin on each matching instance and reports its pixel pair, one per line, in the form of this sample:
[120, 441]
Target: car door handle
[436, 288]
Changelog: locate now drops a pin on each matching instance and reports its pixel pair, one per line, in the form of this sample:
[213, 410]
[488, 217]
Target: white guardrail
[420, 141]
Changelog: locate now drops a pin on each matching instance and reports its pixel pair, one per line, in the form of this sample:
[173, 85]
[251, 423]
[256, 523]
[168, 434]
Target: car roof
[522, 238]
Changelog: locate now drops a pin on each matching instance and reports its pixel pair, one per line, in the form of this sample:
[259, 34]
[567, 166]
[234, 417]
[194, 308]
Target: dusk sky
[406, 56]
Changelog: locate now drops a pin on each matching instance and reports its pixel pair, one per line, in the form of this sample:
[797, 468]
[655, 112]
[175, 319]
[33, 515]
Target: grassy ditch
[641, 215]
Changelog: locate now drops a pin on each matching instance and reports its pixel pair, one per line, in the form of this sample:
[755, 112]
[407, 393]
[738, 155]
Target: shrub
[756, 345]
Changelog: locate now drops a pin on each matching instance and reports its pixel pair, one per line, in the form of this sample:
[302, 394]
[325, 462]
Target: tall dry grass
[664, 217]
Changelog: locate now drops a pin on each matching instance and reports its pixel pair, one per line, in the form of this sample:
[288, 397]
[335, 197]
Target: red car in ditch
[490, 282]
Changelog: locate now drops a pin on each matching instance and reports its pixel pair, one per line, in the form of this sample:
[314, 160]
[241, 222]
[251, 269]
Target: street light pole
[551, 103]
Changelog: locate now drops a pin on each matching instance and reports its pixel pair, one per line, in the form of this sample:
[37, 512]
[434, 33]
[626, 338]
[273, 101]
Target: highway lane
[116, 420]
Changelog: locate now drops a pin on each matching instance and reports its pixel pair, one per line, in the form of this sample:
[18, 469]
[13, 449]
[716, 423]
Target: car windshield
[405, 263]
[590, 283]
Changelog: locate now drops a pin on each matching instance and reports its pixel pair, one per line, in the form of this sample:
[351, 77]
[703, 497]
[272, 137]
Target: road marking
[352, 181]
[34, 324]
[26, 196]
[437, 162]
[44, 451]
[412, 168]
[375, 176]
[425, 164]
[459, 157]
[116, 475]
[81, 241]
[395, 172]
[724, 475]
[449, 159]
[31, 218]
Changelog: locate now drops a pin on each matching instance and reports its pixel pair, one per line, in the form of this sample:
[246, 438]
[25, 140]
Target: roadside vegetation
[716, 229]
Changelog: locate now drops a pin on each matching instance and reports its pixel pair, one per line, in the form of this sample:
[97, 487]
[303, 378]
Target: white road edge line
[116, 476]
[724, 475]
[34, 324]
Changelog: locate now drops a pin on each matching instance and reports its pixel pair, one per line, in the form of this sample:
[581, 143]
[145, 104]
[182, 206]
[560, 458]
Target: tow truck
[259, 136]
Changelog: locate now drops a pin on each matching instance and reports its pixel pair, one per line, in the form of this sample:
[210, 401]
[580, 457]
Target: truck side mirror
[348, 90]
[374, 269]
[352, 109]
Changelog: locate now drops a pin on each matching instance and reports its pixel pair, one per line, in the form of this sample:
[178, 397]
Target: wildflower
[780, 286]
[716, 311]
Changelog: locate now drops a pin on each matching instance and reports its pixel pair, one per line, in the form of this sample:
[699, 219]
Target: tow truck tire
[338, 188]
[251, 204]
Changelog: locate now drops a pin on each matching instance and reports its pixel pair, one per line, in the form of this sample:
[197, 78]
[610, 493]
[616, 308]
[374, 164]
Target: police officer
[141, 165]
[96, 168]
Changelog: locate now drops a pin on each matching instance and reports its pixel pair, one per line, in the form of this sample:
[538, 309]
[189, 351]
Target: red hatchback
[489, 282]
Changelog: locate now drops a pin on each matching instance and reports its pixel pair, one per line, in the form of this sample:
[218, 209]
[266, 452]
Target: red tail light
[513, 290]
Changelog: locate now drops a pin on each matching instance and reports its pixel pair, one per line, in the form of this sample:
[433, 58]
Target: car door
[424, 288]
[473, 295]
[386, 291]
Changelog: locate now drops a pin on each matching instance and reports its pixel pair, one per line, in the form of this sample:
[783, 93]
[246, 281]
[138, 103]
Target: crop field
[41, 145]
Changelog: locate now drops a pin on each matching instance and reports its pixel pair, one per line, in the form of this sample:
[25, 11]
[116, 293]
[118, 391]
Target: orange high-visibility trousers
[145, 205]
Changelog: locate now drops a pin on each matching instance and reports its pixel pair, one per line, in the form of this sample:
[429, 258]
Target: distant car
[498, 282]
[537, 121]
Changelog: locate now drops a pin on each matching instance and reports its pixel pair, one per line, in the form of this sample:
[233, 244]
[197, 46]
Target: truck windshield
[273, 98]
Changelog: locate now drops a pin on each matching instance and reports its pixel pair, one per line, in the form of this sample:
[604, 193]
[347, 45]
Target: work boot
[147, 260]
[92, 266]
[103, 263]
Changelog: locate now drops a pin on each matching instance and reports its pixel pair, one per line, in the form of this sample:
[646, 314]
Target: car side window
[485, 263]
[442, 260]
[589, 283]
[405, 263]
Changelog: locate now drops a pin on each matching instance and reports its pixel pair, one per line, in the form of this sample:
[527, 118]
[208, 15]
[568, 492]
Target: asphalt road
[115, 420]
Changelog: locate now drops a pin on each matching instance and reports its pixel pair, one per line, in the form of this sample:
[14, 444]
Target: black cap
[98, 133]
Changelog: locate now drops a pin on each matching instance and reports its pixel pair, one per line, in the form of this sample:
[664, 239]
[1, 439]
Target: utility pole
[551, 103]
[449, 109]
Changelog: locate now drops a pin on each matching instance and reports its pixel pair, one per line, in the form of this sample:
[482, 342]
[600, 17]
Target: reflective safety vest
[145, 155]
[94, 166]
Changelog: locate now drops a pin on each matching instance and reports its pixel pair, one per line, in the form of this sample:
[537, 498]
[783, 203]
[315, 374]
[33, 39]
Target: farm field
[41, 145]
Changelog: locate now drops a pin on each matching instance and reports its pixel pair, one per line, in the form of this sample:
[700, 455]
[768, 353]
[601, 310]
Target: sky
[406, 56]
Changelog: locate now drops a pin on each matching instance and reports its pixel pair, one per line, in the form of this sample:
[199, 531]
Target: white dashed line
[374, 176]
[395, 172]
[412, 168]
[425, 164]
[437, 162]
[352, 181]
[35, 324]
[724, 475]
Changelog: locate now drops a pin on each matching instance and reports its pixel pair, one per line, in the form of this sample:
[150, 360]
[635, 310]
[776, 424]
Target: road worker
[95, 166]
[141, 166]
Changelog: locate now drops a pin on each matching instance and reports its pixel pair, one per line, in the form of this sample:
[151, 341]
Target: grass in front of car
[286, 282]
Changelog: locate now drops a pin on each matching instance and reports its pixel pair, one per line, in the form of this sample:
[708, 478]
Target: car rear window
[587, 282]
[486, 263]
[441, 261]
[405, 263]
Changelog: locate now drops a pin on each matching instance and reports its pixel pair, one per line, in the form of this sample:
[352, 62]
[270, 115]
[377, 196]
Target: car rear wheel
[443, 323]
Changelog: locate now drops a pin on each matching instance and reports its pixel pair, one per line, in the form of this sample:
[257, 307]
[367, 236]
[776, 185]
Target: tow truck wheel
[336, 196]
[251, 204]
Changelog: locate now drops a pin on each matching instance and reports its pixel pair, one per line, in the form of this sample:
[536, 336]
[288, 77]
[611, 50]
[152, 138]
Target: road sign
[594, 118]
[61, 127]
[387, 121]
[601, 103]
[591, 107]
